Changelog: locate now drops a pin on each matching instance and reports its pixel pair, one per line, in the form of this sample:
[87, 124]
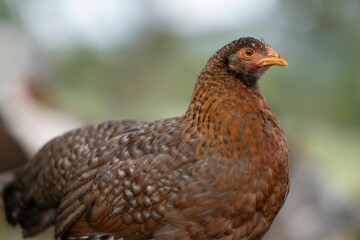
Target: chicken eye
[249, 52]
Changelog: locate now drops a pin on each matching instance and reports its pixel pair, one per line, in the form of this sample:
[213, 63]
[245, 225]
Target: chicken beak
[272, 59]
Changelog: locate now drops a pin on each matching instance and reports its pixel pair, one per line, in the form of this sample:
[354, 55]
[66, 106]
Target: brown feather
[219, 171]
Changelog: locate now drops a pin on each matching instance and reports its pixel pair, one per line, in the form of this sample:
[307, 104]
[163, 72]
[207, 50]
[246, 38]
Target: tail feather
[10, 199]
[30, 217]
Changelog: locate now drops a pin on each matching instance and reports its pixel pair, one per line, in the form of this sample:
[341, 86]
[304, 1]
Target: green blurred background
[67, 63]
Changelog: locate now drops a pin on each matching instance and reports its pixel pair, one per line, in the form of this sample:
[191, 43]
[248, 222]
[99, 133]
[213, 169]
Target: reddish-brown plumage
[219, 171]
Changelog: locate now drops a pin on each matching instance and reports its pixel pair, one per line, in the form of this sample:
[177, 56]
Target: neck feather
[224, 109]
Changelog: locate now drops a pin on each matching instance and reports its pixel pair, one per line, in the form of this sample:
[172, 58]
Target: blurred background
[66, 63]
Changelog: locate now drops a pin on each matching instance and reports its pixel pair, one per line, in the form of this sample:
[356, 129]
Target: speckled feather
[41, 182]
[219, 171]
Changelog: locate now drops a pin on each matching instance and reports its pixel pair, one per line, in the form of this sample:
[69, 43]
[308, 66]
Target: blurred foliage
[325, 37]
[150, 71]
[4, 11]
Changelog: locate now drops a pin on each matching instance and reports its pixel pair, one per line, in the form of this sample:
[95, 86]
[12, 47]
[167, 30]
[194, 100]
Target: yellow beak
[272, 58]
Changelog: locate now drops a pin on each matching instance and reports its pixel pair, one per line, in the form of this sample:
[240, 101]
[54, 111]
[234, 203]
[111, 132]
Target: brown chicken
[219, 171]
